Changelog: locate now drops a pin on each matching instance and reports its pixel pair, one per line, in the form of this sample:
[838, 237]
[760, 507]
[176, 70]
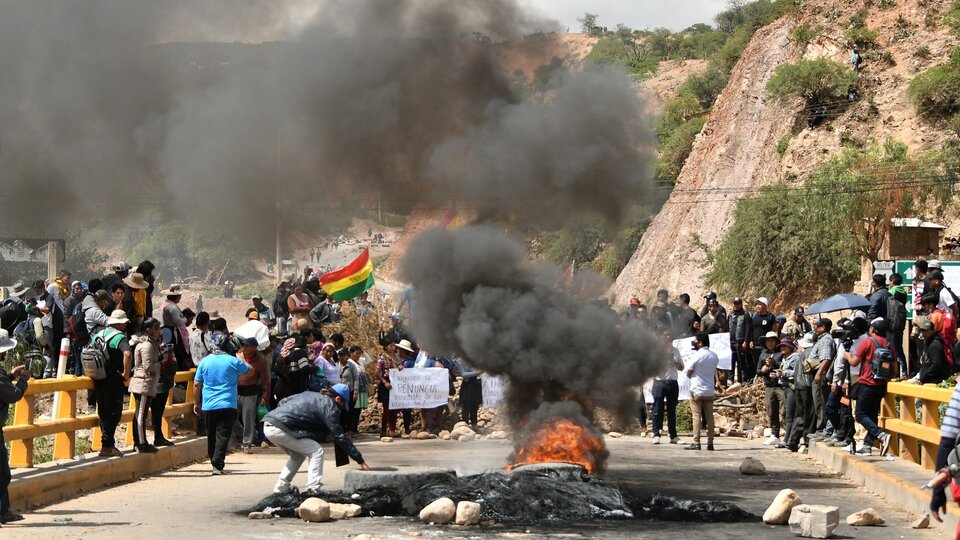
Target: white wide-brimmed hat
[118, 316]
[6, 342]
[405, 345]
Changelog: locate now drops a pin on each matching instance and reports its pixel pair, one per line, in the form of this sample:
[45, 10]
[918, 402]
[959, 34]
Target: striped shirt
[950, 425]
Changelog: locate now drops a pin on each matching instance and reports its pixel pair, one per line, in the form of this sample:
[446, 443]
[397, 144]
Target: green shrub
[783, 144]
[786, 233]
[802, 35]
[886, 4]
[815, 81]
[675, 149]
[922, 52]
[862, 38]
[684, 418]
[952, 19]
[936, 92]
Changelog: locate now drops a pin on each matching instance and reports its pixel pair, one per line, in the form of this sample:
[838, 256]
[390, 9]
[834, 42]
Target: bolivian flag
[351, 280]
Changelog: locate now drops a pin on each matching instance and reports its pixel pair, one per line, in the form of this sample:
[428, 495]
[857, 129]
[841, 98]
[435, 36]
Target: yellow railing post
[21, 451]
[908, 445]
[930, 417]
[65, 443]
[190, 419]
[132, 406]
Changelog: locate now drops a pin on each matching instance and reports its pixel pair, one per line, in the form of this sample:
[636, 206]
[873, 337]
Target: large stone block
[814, 520]
[779, 511]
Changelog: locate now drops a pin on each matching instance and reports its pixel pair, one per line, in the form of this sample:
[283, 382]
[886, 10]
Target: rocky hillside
[737, 151]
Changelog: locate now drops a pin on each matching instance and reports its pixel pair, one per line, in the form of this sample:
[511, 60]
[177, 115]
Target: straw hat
[118, 316]
[175, 290]
[6, 343]
[405, 345]
[136, 281]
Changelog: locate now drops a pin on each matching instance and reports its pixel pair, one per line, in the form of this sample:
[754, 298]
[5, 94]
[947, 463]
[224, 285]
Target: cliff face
[736, 153]
[737, 149]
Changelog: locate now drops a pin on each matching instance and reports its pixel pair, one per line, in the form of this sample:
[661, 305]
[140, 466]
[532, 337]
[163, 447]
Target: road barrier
[915, 439]
[66, 422]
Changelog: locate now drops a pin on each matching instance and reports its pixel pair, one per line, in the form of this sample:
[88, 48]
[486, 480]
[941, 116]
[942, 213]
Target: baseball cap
[122, 266]
[737, 300]
[924, 324]
[826, 323]
[879, 324]
[634, 301]
[799, 310]
[343, 391]
[936, 274]
[710, 295]
[256, 297]
[763, 300]
[250, 342]
[781, 319]
[771, 335]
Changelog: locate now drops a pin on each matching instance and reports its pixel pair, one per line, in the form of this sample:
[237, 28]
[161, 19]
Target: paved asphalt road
[189, 503]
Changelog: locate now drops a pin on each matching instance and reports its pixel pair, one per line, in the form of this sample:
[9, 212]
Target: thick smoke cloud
[478, 296]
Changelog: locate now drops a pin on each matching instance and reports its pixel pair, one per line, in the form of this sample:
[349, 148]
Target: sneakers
[217, 472]
[110, 452]
[840, 443]
[674, 440]
[864, 450]
[816, 436]
[772, 441]
[656, 439]
[780, 445]
[885, 440]
[692, 446]
[245, 448]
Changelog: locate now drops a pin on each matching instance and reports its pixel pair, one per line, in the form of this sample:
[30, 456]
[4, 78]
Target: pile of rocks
[814, 520]
[318, 510]
[444, 510]
[460, 432]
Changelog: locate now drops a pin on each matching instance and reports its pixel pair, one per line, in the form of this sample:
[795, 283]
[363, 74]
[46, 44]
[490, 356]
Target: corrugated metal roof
[915, 223]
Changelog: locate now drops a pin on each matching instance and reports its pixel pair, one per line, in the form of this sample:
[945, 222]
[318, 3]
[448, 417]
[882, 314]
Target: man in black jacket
[299, 424]
[878, 300]
[10, 393]
[934, 367]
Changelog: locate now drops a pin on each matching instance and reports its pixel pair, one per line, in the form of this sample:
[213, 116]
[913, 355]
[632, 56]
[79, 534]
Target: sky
[639, 14]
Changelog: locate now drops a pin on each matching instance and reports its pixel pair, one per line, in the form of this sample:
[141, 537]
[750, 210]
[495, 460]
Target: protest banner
[719, 344]
[494, 390]
[415, 388]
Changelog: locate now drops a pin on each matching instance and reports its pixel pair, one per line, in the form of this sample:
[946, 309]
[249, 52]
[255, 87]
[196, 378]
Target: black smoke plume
[221, 110]
[478, 296]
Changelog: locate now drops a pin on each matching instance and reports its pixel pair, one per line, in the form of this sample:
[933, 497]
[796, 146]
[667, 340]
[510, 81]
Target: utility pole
[279, 262]
[379, 209]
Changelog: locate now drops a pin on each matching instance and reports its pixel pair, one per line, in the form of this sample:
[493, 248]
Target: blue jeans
[868, 410]
[665, 393]
[4, 477]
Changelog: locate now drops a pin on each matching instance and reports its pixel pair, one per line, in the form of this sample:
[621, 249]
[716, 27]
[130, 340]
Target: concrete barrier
[898, 481]
[60, 480]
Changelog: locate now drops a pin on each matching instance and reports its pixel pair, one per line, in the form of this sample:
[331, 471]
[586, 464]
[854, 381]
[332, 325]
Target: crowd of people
[820, 377]
[275, 380]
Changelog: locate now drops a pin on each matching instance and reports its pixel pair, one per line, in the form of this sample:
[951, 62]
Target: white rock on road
[615, 434]
[468, 513]
[752, 466]
[344, 511]
[814, 520]
[442, 510]
[314, 510]
[778, 513]
[865, 518]
[921, 522]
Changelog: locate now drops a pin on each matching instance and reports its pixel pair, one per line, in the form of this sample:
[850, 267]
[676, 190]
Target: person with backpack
[945, 325]
[946, 300]
[934, 367]
[876, 368]
[897, 319]
[856, 60]
[107, 360]
[144, 379]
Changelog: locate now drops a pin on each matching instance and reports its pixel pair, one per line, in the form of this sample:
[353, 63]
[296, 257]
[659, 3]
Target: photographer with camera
[843, 386]
[10, 393]
[768, 369]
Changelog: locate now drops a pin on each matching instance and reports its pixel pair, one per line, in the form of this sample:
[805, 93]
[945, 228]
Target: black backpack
[896, 315]
[77, 324]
